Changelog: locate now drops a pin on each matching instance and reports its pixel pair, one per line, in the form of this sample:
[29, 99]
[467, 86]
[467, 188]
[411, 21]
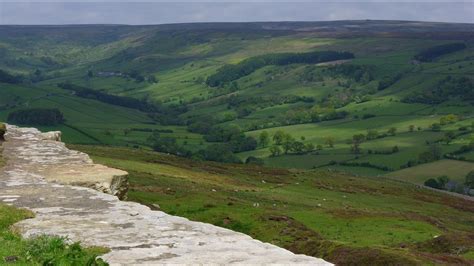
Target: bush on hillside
[9, 78]
[460, 88]
[36, 116]
[254, 160]
[218, 153]
[436, 51]
[470, 180]
[3, 130]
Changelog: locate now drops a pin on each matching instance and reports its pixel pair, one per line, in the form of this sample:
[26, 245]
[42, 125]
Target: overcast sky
[159, 12]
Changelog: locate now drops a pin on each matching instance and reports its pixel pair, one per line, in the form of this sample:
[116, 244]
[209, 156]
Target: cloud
[159, 12]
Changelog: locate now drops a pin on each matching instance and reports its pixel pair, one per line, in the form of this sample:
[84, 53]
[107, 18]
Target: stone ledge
[46, 155]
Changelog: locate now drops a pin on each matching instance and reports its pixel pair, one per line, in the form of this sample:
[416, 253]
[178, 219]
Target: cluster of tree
[36, 116]
[444, 183]
[436, 51]
[438, 183]
[128, 102]
[285, 143]
[444, 120]
[357, 73]
[366, 164]
[230, 73]
[358, 139]
[463, 149]
[433, 153]
[388, 81]
[221, 152]
[233, 136]
[6, 77]
[218, 153]
[449, 87]
[313, 115]
[136, 75]
[152, 130]
[167, 145]
[254, 160]
[393, 150]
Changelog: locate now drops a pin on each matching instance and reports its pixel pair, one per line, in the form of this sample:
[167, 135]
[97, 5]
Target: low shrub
[3, 130]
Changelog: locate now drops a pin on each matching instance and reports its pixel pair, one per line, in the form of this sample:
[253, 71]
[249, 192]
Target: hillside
[342, 218]
[405, 86]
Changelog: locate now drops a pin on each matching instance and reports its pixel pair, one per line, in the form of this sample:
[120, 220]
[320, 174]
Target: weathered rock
[44, 154]
[134, 233]
[52, 135]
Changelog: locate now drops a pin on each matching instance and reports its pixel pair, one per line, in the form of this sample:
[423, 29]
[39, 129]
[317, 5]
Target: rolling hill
[345, 107]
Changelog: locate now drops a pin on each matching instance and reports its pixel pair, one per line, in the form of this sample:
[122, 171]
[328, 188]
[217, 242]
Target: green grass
[455, 170]
[40, 250]
[319, 213]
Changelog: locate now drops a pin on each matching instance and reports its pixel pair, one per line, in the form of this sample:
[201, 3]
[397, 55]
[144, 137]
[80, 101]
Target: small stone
[10, 259]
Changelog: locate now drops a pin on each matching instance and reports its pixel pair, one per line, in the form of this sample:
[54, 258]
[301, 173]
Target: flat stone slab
[39, 175]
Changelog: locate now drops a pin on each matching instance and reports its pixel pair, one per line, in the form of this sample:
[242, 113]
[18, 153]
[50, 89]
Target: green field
[455, 170]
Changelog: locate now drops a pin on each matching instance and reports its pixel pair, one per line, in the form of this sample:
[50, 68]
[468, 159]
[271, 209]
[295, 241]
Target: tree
[310, 147]
[448, 137]
[219, 153]
[36, 116]
[448, 119]
[152, 79]
[356, 141]
[442, 181]
[329, 141]
[392, 131]
[372, 134]
[395, 149]
[254, 160]
[275, 150]
[432, 183]
[90, 74]
[278, 137]
[470, 180]
[411, 128]
[287, 143]
[433, 154]
[297, 147]
[264, 139]
[435, 127]
[126, 131]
